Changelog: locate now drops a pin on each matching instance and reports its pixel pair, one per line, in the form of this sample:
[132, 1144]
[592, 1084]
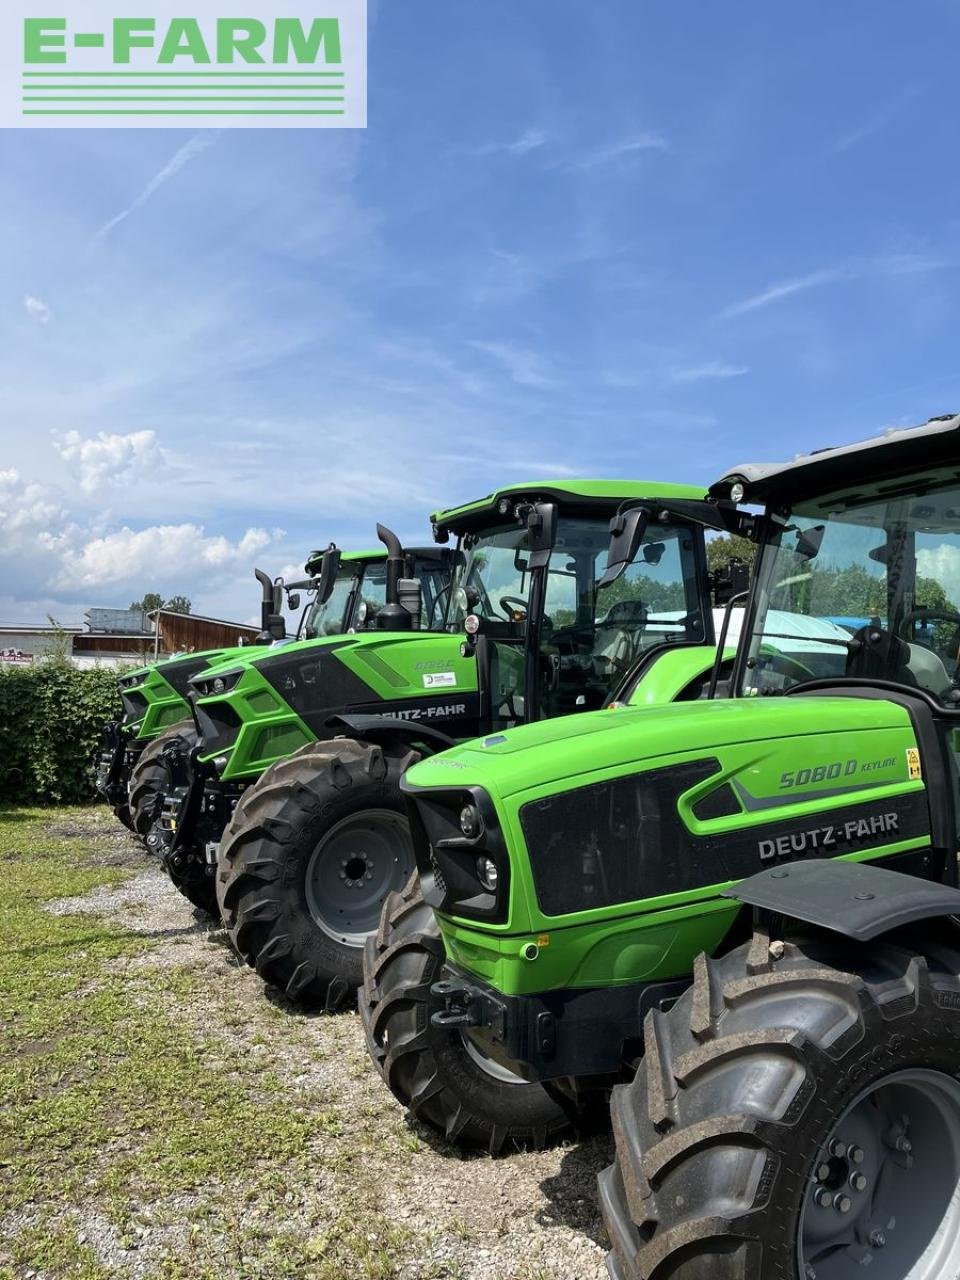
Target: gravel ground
[525, 1216]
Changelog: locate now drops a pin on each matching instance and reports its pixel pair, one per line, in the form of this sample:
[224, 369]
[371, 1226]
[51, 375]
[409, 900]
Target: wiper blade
[779, 635]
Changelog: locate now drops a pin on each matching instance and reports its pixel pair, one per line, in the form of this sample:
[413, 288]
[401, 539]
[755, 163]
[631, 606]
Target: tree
[153, 600]
[726, 547]
[149, 602]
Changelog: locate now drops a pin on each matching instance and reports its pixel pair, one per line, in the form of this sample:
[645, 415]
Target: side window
[560, 603]
[650, 593]
[373, 593]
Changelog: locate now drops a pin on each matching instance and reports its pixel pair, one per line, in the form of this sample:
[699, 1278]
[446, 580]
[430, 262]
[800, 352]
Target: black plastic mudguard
[857, 899]
[389, 729]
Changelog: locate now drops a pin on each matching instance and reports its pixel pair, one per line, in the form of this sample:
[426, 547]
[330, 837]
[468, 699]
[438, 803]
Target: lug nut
[842, 1203]
[858, 1182]
[856, 1155]
[822, 1198]
[823, 1172]
[838, 1148]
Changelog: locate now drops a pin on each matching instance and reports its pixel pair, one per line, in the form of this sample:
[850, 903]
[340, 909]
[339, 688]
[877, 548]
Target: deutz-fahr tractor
[343, 588]
[739, 911]
[155, 709]
[390, 590]
[313, 849]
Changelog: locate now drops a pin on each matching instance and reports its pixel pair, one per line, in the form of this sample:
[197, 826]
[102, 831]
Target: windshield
[327, 619]
[863, 588]
[589, 638]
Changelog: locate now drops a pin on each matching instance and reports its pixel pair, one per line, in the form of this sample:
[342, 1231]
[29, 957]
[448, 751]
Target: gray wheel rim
[353, 868]
[883, 1191]
[489, 1066]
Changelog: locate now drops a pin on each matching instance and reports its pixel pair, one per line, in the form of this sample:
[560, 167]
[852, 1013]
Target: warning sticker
[913, 764]
[439, 679]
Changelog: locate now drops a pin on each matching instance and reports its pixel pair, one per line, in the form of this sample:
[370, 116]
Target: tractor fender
[857, 899]
[389, 729]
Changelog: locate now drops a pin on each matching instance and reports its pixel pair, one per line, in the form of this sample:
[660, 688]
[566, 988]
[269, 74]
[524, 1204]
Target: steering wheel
[937, 615]
[783, 665]
[507, 601]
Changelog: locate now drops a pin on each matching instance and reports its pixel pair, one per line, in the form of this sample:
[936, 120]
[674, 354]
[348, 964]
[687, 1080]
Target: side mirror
[329, 568]
[626, 533]
[293, 600]
[542, 523]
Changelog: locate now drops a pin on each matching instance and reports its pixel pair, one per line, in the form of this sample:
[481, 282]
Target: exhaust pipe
[393, 616]
[272, 625]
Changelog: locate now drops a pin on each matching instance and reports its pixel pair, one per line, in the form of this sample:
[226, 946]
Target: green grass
[117, 1111]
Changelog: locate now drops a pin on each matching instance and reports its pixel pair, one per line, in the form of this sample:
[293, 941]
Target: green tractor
[154, 697]
[740, 912]
[191, 795]
[325, 729]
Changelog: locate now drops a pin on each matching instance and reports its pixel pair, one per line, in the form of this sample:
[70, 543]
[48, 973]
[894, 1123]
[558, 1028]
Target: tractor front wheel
[309, 857]
[442, 1077]
[796, 1115]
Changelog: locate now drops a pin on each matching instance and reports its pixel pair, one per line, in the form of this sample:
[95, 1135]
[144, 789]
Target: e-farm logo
[107, 63]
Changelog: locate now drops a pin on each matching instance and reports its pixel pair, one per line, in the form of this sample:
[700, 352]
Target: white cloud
[161, 553]
[110, 459]
[617, 152]
[25, 508]
[36, 309]
[529, 140]
[189, 151]
[783, 289]
[711, 369]
[525, 367]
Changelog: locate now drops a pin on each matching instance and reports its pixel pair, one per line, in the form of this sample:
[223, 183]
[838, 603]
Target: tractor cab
[359, 590]
[870, 545]
[530, 591]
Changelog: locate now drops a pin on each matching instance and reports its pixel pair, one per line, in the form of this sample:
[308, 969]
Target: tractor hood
[550, 753]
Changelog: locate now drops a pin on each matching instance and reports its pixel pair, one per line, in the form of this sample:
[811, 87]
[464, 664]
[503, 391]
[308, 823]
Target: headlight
[471, 823]
[487, 873]
[211, 686]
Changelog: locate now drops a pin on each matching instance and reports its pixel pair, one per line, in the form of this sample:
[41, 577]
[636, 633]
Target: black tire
[190, 876]
[125, 814]
[289, 914]
[720, 1138]
[428, 1070]
[150, 777]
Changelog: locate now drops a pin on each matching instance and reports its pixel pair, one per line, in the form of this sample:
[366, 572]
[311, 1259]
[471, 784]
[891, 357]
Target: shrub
[52, 716]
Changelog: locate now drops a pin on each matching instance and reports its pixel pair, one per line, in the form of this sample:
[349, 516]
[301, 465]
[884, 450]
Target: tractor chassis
[577, 1032]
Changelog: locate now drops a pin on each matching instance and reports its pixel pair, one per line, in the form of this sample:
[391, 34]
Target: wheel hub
[883, 1187]
[353, 867]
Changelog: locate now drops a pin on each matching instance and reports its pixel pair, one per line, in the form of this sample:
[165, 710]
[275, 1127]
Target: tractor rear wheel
[307, 861]
[150, 778]
[796, 1115]
[441, 1076]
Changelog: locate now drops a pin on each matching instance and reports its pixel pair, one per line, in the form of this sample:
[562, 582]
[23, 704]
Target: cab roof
[315, 558]
[376, 556]
[882, 463]
[601, 496]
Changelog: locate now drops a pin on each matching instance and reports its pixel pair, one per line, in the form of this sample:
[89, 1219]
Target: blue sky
[626, 239]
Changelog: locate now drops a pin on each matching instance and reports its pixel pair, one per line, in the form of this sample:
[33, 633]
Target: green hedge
[51, 721]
